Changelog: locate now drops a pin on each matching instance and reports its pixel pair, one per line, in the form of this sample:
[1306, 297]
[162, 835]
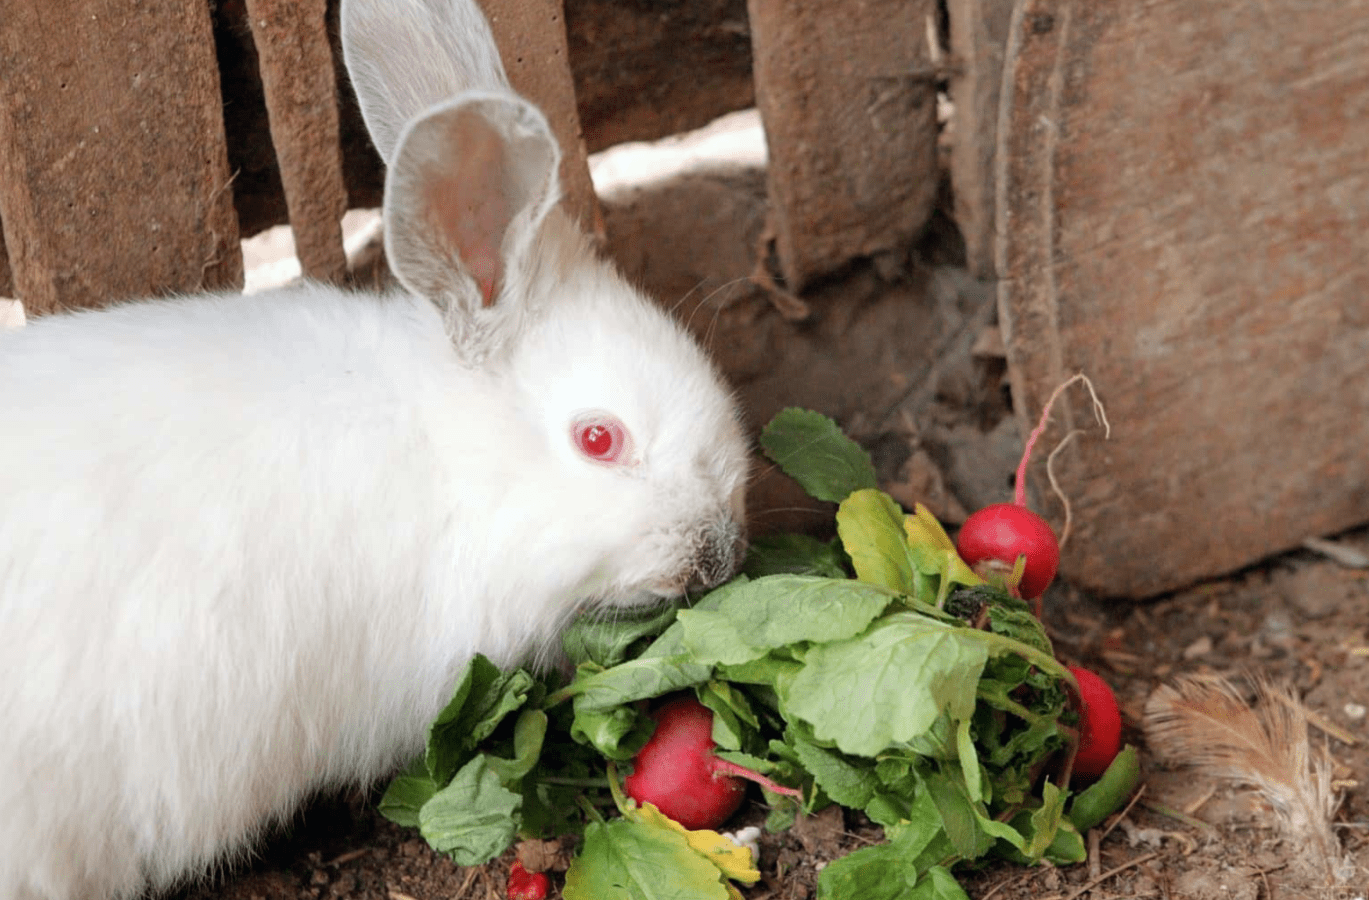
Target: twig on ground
[1117, 819]
[1116, 870]
[1005, 883]
[1179, 815]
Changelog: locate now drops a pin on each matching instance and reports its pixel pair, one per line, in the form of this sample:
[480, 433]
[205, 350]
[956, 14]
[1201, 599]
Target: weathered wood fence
[1172, 198]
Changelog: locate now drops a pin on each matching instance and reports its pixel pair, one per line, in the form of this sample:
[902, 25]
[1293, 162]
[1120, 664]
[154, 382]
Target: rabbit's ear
[405, 56]
[465, 196]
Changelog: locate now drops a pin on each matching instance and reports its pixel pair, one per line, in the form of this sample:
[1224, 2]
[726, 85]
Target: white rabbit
[247, 543]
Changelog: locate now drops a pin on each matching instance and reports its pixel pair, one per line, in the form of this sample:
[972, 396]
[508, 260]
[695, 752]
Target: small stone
[1201, 647]
[1316, 591]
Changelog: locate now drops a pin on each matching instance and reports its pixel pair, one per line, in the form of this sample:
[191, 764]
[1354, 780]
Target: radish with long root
[1007, 542]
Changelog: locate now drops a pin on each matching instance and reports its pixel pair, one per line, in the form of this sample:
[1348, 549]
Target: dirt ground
[1301, 618]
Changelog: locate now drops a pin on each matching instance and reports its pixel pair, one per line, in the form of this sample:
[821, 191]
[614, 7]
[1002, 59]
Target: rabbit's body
[201, 647]
[248, 543]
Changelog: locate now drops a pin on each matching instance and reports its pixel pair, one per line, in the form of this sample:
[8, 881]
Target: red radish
[993, 538]
[525, 885]
[1100, 724]
[678, 772]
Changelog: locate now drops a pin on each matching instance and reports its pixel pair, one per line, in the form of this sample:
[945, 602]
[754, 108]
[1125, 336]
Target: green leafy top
[878, 672]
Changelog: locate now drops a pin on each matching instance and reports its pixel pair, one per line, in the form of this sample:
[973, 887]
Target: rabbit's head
[636, 437]
[645, 437]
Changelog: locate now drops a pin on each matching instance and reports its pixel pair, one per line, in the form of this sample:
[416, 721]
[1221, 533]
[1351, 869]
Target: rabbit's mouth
[715, 553]
[719, 558]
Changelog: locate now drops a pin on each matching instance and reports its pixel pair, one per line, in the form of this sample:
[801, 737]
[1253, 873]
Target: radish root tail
[1055, 487]
[1020, 491]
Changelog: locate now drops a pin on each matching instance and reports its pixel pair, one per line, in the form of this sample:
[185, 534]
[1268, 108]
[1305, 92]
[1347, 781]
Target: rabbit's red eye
[602, 438]
[597, 441]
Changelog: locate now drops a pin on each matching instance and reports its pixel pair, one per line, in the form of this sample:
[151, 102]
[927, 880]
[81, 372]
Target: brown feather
[1205, 722]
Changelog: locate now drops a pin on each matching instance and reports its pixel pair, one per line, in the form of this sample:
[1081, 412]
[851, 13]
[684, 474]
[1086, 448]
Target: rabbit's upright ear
[471, 165]
[407, 56]
[465, 197]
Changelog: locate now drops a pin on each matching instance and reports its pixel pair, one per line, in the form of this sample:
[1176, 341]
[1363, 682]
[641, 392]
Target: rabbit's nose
[719, 556]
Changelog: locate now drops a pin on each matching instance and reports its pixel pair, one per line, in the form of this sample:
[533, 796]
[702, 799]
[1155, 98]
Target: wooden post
[848, 95]
[979, 35]
[6, 276]
[1183, 211]
[302, 106]
[114, 178]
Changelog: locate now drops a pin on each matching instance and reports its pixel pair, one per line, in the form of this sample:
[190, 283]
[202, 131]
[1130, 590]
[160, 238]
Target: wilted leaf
[732, 860]
[473, 819]
[624, 859]
[870, 525]
[905, 671]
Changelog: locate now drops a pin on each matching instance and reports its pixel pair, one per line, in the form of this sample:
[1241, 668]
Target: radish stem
[615, 788]
[559, 781]
[731, 768]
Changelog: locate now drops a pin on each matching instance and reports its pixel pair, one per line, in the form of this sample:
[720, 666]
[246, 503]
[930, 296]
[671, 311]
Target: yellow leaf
[732, 860]
[733, 893]
[959, 571]
[1019, 567]
[923, 528]
[869, 524]
[924, 534]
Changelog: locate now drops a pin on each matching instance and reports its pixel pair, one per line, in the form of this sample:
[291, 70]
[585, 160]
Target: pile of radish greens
[875, 671]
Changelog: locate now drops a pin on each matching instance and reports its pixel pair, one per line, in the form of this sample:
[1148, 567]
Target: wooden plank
[532, 42]
[979, 34]
[850, 120]
[627, 89]
[648, 70]
[1184, 215]
[296, 64]
[113, 174]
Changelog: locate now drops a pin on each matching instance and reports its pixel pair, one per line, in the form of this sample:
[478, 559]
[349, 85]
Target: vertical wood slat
[296, 64]
[531, 35]
[979, 36]
[114, 177]
[6, 276]
[848, 95]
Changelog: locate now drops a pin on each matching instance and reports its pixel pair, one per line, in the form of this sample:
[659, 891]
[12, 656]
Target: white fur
[247, 543]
